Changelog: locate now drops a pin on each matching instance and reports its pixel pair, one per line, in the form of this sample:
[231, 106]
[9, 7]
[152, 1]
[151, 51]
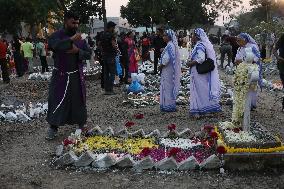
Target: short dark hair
[70, 14]
[111, 24]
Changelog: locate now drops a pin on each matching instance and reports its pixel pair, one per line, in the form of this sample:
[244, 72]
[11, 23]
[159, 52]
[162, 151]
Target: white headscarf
[247, 38]
[200, 33]
[175, 58]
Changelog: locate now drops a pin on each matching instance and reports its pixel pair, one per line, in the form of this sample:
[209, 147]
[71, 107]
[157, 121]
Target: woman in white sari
[204, 88]
[170, 67]
[245, 41]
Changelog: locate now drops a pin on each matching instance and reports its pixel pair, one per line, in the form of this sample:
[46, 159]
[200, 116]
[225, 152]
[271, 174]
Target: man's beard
[71, 31]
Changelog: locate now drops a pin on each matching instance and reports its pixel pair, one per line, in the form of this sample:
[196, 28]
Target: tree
[35, 12]
[179, 14]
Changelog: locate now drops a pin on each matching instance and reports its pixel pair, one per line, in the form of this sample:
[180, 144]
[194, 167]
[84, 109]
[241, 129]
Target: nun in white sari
[204, 88]
[246, 41]
[170, 67]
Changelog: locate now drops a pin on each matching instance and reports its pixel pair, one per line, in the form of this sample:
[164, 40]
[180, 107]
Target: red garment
[145, 42]
[133, 64]
[3, 50]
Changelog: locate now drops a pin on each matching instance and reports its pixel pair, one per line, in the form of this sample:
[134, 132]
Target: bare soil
[25, 155]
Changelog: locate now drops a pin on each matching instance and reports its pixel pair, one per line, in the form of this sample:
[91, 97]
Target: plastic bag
[134, 76]
[141, 78]
[135, 87]
[118, 66]
[151, 55]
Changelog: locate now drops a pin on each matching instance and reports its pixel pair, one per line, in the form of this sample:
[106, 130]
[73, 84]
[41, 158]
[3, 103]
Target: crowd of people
[18, 56]
[67, 92]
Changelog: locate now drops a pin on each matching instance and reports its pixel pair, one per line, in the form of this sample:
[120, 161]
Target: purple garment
[62, 80]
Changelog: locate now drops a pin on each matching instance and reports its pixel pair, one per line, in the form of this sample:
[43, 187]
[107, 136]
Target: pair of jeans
[5, 72]
[44, 65]
[109, 72]
[31, 64]
[226, 50]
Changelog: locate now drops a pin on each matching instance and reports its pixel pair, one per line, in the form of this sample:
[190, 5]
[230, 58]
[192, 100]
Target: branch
[61, 5]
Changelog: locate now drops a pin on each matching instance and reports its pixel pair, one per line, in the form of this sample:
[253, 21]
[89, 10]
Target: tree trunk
[104, 13]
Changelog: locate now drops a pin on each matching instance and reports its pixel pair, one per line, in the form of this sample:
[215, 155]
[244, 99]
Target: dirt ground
[25, 155]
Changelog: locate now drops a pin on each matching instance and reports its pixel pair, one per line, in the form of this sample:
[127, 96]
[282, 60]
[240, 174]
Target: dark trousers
[124, 60]
[157, 56]
[226, 50]
[102, 73]
[44, 66]
[5, 72]
[282, 78]
[19, 64]
[234, 54]
[109, 72]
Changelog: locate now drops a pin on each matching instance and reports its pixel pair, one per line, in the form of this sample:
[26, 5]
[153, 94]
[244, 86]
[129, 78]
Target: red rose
[221, 150]
[139, 116]
[213, 135]
[129, 124]
[208, 128]
[172, 127]
[174, 152]
[146, 151]
[66, 142]
[236, 130]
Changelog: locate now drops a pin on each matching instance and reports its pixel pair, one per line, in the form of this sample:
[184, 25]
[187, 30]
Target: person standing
[170, 67]
[235, 46]
[145, 43]
[225, 49]
[40, 47]
[132, 53]
[109, 52]
[27, 48]
[18, 57]
[158, 44]
[3, 61]
[246, 41]
[98, 55]
[124, 59]
[279, 54]
[204, 88]
[67, 91]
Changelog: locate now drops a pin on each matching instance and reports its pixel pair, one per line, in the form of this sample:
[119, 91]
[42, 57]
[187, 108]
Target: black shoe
[51, 133]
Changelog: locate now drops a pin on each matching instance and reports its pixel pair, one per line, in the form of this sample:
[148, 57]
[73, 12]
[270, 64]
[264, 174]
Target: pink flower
[145, 152]
[174, 152]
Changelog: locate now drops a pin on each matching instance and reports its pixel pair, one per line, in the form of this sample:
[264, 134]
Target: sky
[113, 8]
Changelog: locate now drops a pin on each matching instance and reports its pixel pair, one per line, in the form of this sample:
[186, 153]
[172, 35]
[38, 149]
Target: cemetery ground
[25, 155]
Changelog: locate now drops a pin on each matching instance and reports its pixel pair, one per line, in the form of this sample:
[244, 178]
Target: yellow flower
[132, 145]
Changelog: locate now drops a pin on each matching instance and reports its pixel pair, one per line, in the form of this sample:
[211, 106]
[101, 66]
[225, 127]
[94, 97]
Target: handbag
[206, 67]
